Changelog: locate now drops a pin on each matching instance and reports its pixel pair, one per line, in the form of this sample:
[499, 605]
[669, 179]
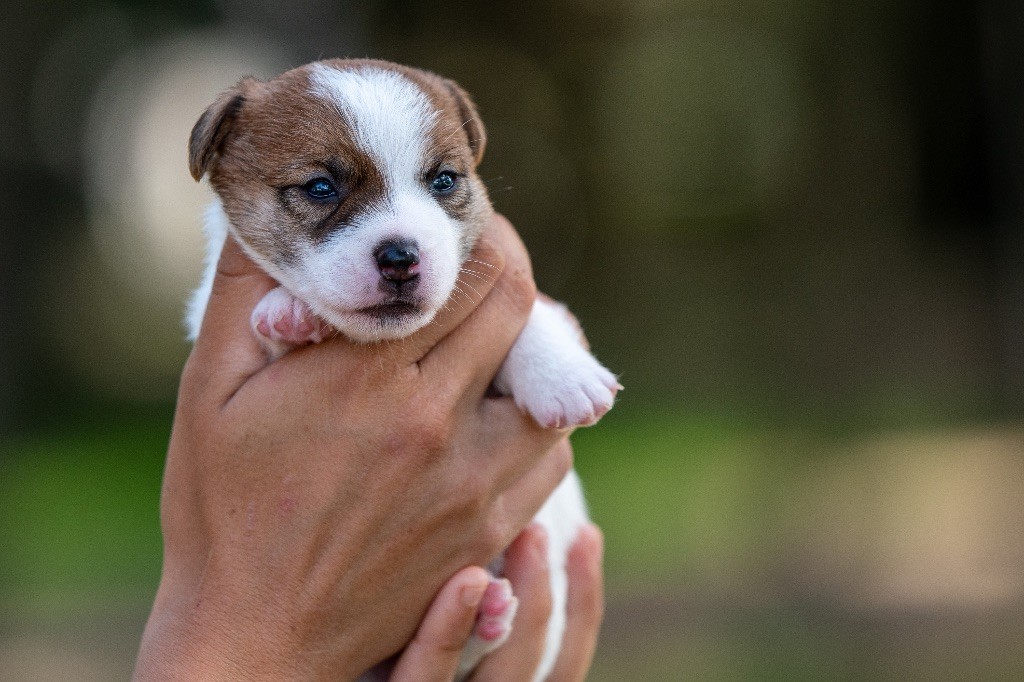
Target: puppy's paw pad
[493, 625]
[281, 317]
[579, 393]
[497, 610]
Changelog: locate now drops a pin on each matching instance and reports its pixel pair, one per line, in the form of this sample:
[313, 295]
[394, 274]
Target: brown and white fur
[380, 257]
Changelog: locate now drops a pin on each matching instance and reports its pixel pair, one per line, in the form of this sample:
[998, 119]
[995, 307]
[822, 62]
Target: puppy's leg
[552, 376]
[493, 625]
[283, 322]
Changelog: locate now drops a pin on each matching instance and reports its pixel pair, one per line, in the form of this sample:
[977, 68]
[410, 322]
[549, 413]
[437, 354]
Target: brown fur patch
[261, 142]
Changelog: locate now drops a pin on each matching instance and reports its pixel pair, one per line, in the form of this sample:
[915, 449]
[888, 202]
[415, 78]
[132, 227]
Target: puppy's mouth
[391, 310]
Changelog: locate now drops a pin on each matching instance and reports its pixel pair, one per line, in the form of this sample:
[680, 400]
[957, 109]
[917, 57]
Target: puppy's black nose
[397, 261]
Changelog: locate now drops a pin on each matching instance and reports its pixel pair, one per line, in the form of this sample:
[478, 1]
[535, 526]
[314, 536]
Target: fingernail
[472, 595]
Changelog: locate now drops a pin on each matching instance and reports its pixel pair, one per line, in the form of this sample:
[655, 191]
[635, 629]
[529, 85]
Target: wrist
[189, 636]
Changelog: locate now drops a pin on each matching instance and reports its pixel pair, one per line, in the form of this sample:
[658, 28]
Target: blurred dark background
[793, 228]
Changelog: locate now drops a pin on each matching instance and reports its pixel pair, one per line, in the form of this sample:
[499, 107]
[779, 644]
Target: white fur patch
[216, 227]
[340, 277]
[562, 516]
[390, 117]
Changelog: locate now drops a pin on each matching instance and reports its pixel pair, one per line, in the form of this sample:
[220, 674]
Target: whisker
[468, 121]
[467, 295]
[482, 278]
[473, 289]
[470, 269]
[478, 273]
[474, 260]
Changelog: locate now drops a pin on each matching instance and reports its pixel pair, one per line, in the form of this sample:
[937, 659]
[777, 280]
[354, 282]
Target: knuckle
[442, 642]
[519, 287]
[562, 457]
[476, 487]
[195, 377]
[598, 609]
[495, 535]
[466, 500]
[489, 537]
[432, 430]
[543, 605]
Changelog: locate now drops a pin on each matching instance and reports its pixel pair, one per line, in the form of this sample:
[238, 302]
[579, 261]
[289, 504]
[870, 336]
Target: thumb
[226, 350]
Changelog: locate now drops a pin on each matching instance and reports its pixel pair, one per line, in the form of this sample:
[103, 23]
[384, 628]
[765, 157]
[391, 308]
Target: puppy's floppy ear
[472, 124]
[213, 126]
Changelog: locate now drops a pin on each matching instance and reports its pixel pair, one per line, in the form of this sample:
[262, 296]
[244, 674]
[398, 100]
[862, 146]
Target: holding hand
[312, 507]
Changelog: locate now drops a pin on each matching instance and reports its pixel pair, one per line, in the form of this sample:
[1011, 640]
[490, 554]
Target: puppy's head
[353, 183]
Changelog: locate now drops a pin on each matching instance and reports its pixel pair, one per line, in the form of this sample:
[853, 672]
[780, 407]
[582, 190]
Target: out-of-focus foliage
[793, 229]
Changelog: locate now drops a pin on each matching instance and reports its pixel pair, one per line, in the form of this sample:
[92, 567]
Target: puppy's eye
[444, 183]
[320, 189]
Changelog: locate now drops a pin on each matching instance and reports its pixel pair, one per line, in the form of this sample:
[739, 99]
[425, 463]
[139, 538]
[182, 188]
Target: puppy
[353, 184]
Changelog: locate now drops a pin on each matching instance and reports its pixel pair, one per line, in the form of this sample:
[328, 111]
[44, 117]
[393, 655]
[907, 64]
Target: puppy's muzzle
[398, 261]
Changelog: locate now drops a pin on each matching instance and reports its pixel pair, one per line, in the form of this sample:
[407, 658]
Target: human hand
[312, 507]
[433, 654]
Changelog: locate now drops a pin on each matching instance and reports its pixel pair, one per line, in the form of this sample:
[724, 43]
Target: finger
[526, 567]
[524, 497]
[517, 441]
[469, 356]
[433, 653]
[584, 608]
[226, 347]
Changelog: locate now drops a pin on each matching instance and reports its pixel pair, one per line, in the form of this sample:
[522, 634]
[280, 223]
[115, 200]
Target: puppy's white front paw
[577, 391]
[282, 320]
[551, 376]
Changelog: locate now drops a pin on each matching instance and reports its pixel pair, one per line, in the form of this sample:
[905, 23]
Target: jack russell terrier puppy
[353, 184]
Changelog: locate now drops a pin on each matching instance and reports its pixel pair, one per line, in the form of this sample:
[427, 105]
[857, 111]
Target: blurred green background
[793, 228]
